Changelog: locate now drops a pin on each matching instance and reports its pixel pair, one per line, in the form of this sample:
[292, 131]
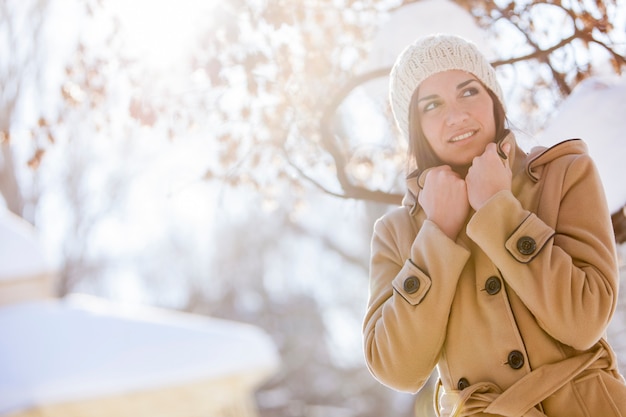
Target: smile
[463, 136]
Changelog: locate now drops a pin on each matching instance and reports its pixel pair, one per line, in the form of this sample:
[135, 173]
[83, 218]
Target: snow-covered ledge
[90, 357]
[25, 273]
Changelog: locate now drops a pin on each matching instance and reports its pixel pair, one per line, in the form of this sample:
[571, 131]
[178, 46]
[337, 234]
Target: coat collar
[540, 156]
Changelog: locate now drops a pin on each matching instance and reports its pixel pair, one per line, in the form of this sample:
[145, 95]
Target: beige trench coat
[520, 300]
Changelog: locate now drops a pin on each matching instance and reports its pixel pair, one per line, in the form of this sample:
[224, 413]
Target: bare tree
[19, 74]
[274, 77]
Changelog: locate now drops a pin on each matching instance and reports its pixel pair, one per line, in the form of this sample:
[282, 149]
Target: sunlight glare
[161, 32]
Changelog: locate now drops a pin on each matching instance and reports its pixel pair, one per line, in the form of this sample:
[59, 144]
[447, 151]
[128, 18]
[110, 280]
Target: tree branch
[350, 191]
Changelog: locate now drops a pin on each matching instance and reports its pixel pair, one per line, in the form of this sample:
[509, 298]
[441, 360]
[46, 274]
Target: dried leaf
[35, 160]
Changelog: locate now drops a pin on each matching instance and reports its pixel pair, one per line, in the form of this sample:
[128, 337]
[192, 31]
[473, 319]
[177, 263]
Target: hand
[444, 200]
[488, 175]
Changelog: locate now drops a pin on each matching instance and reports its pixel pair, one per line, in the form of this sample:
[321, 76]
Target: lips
[462, 136]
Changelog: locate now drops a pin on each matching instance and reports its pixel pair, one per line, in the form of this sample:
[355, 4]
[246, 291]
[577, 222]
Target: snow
[593, 112]
[62, 350]
[84, 347]
[21, 253]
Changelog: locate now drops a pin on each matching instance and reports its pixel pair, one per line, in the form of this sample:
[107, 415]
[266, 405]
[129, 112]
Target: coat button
[526, 245]
[411, 285]
[516, 359]
[462, 384]
[493, 285]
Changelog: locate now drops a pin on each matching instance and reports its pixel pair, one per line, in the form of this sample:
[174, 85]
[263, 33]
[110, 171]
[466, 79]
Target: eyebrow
[458, 87]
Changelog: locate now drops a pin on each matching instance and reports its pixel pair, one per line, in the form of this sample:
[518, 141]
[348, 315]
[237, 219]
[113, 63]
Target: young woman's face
[456, 116]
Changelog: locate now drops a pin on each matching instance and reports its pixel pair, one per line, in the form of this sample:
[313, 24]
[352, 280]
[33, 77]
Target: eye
[470, 91]
[431, 105]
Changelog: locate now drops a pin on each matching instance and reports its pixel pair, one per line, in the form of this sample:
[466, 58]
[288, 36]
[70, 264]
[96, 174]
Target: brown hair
[421, 154]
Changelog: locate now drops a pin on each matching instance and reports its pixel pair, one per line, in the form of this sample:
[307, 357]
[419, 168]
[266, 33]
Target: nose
[455, 114]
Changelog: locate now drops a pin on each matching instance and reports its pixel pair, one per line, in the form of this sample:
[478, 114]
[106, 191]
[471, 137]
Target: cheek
[431, 129]
[490, 123]
[432, 138]
[487, 116]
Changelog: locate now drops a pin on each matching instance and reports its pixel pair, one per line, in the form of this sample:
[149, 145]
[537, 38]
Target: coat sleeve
[565, 272]
[412, 284]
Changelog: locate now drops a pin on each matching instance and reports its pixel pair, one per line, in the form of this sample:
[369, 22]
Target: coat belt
[520, 399]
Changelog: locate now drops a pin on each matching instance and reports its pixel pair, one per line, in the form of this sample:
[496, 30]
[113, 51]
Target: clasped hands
[447, 198]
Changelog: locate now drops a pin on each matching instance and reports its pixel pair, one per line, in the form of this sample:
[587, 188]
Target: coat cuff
[433, 254]
[528, 239]
[411, 283]
[503, 226]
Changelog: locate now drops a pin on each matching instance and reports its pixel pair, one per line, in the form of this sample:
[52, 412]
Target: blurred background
[227, 160]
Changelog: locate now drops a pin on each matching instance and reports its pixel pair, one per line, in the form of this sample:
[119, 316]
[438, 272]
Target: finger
[494, 151]
[491, 153]
[442, 168]
[490, 148]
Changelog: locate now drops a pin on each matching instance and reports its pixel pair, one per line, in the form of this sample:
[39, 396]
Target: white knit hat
[430, 55]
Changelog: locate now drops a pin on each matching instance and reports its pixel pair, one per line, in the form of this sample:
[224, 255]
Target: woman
[500, 268]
